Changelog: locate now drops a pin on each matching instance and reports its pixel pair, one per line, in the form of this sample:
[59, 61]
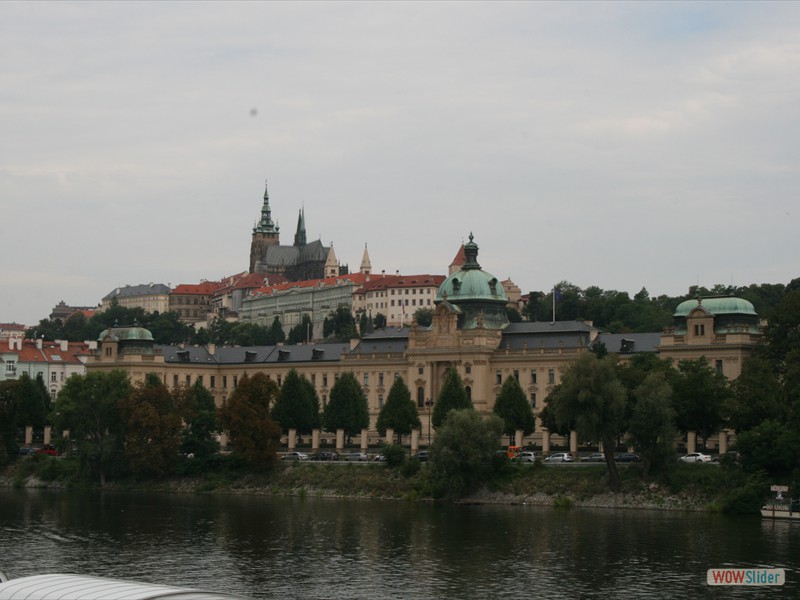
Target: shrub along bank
[724, 488]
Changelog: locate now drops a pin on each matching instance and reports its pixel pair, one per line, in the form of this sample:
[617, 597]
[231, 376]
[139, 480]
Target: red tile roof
[356, 278]
[401, 281]
[205, 288]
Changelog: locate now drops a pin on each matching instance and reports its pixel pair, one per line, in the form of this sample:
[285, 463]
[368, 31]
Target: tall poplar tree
[347, 408]
[453, 396]
[512, 406]
[399, 412]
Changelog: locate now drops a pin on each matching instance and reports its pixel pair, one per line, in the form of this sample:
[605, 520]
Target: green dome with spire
[479, 295]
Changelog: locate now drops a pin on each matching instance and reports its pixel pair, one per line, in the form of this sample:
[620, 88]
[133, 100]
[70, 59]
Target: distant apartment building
[397, 297]
[192, 302]
[9, 330]
[150, 297]
[54, 362]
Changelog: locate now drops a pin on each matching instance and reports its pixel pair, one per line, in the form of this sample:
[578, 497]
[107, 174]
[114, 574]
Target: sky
[622, 145]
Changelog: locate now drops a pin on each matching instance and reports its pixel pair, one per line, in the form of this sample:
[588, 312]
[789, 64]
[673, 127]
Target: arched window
[421, 397]
[469, 392]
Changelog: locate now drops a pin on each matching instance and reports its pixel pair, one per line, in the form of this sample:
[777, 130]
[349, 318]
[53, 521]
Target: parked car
[355, 457]
[695, 457]
[560, 457]
[379, 458]
[26, 450]
[526, 457]
[422, 456]
[48, 450]
[627, 457]
[325, 456]
[597, 457]
[295, 456]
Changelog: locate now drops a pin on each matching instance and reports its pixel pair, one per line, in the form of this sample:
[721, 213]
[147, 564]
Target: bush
[410, 467]
[743, 501]
[395, 455]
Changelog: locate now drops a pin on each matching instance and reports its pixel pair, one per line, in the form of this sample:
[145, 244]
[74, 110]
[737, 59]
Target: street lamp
[429, 404]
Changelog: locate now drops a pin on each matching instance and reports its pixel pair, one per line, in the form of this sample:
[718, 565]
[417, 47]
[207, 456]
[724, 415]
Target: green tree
[461, 454]
[167, 328]
[379, 321]
[295, 407]
[88, 407]
[700, 394]
[347, 408]
[652, 423]
[423, 317]
[757, 396]
[196, 405]
[534, 308]
[398, 412]
[301, 332]
[513, 408]
[275, 333]
[255, 436]
[9, 405]
[591, 396]
[152, 428]
[514, 315]
[453, 396]
[34, 401]
[340, 325]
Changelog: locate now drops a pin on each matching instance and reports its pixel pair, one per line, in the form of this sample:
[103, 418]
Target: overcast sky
[624, 145]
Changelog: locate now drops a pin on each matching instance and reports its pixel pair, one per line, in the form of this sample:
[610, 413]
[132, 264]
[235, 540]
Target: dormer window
[699, 330]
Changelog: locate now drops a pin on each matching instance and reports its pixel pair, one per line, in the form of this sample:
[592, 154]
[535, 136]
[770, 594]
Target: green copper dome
[731, 315]
[727, 305]
[479, 295]
[123, 334]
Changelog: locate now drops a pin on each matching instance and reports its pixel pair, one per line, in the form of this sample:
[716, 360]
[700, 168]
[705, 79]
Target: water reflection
[314, 548]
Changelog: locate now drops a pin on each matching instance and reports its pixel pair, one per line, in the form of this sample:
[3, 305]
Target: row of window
[422, 302]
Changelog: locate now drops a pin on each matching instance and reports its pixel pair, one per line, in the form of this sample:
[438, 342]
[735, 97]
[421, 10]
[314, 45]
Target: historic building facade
[470, 333]
[151, 297]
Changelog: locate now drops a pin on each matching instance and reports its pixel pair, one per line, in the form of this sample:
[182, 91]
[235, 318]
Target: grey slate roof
[384, 341]
[254, 354]
[630, 343]
[137, 290]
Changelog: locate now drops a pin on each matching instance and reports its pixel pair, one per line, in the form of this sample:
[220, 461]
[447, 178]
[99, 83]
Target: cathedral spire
[265, 224]
[300, 235]
[366, 266]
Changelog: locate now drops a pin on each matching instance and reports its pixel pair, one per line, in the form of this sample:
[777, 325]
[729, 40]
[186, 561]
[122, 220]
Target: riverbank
[686, 488]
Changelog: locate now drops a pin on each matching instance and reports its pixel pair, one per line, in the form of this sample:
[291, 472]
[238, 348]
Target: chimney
[16, 343]
[212, 349]
[63, 344]
[39, 342]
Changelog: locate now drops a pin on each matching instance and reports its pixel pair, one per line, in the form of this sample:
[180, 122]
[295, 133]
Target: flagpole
[554, 306]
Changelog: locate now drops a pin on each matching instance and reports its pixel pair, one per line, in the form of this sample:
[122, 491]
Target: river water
[267, 547]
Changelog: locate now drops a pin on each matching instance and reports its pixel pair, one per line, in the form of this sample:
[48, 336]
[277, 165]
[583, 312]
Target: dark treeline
[617, 312]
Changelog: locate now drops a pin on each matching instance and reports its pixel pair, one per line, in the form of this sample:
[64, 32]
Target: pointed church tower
[458, 261]
[366, 266]
[300, 234]
[265, 233]
[331, 264]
